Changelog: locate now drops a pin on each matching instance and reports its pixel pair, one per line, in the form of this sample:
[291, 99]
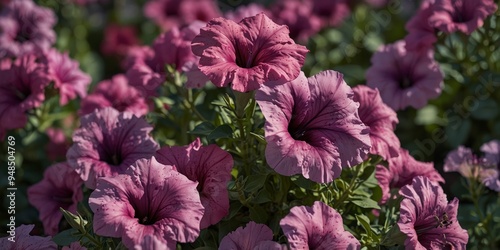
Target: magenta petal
[317, 227]
[149, 199]
[428, 220]
[247, 237]
[247, 54]
[23, 240]
[211, 167]
[312, 127]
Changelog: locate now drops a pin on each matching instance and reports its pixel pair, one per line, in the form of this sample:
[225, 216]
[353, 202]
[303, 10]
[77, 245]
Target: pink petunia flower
[116, 93]
[211, 167]
[151, 242]
[173, 13]
[67, 76]
[107, 143]
[118, 40]
[247, 54]
[421, 35]
[253, 236]
[317, 227]
[298, 16]
[61, 187]
[484, 169]
[427, 219]
[312, 127]
[404, 78]
[332, 12]
[149, 199]
[401, 171]
[381, 120]
[245, 11]
[25, 28]
[21, 90]
[24, 241]
[460, 15]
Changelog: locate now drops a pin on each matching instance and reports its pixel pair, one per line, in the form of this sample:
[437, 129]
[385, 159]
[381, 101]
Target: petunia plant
[290, 125]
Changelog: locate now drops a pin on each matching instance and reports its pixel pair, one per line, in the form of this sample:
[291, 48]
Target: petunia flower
[404, 78]
[24, 241]
[427, 218]
[25, 28]
[61, 187]
[312, 127]
[332, 12]
[149, 199]
[74, 246]
[381, 120]
[491, 176]
[421, 35]
[461, 15]
[247, 54]
[117, 93]
[107, 143]
[252, 236]
[58, 144]
[211, 167]
[173, 13]
[401, 171]
[298, 16]
[118, 40]
[317, 227]
[21, 90]
[67, 76]
[471, 166]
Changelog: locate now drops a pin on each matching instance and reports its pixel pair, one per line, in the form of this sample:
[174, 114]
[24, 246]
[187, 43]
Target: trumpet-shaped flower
[428, 219]
[61, 187]
[317, 227]
[404, 78]
[107, 143]
[251, 237]
[247, 54]
[312, 127]
[24, 241]
[211, 167]
[149, 199]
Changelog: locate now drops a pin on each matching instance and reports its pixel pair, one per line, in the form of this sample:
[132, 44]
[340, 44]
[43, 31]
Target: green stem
[339, 203]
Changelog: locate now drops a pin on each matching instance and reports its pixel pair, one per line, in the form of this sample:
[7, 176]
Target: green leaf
[254, 183]
[258, 214]
[66, 237]
[223, 131]
[262, 197]
[457, 133]
[364, 221]
[259, 138]
[485, 110]
[204, 128]
[365, 202]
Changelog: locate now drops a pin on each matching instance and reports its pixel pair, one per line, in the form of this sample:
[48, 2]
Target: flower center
[442, 221]
[405, 82]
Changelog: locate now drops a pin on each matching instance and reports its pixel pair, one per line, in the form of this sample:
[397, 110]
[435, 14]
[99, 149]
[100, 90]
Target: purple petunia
[25, 28]
[211, 167]
[381, 120]
[174, 13]
[244, 11]
[298, 16]
[312, 127]
[24, 241]
[67, 76]
[247, 54]
[21, 90]
[117, 93]
[317, 227]
[253, 236]
[61, 187]
[118, 40]
[149, 199]
[485, 169]
[401, 171]
[107, 143]
[404, 78]
[460, 15]
[427, 218]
